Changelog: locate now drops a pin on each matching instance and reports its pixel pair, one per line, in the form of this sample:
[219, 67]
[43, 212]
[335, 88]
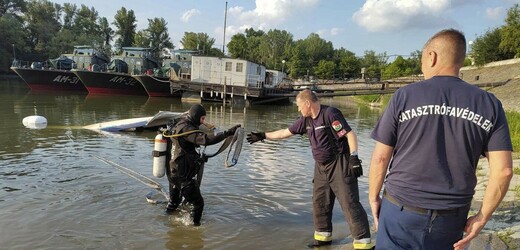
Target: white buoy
[35, 122]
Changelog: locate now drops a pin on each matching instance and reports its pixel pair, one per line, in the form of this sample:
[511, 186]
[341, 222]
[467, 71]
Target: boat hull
[110, 83]
[156, 86]
[50, 80]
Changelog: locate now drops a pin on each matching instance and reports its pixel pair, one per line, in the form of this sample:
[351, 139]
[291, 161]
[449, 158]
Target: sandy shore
[505, 220]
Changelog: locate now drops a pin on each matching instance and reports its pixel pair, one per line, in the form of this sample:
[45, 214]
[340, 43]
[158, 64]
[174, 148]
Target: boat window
[228, 66]
[240, 66]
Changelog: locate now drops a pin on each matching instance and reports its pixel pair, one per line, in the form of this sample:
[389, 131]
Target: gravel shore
[506, 219]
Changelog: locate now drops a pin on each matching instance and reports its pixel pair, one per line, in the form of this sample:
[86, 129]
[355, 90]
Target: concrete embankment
[503, 230]
[495, 73]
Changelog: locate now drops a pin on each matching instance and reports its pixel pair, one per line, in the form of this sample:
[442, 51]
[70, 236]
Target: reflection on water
[54, 192]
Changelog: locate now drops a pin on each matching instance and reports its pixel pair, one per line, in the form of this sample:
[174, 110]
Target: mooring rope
[159, 80]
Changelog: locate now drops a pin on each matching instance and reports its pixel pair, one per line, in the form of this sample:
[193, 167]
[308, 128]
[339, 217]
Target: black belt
[421, 210]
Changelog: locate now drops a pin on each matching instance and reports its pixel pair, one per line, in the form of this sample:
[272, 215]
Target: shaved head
[307, 95]
[450, 45]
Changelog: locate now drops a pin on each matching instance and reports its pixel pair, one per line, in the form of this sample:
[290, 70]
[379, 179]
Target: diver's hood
[195, 113]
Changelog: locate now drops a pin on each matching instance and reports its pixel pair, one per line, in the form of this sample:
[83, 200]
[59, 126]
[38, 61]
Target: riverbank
[503, 230]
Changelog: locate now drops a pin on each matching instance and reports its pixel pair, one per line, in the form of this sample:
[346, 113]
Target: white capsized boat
[136, 124]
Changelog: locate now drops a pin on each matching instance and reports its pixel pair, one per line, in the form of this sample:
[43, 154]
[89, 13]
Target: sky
[397, 27]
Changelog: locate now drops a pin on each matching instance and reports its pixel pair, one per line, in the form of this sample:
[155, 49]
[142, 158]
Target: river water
[55, 193]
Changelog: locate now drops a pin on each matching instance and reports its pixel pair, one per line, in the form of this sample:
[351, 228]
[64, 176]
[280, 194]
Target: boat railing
[254, 80]
[32, 65]
[140, 70]
[156, 72]
[96, 67]
[19, 64]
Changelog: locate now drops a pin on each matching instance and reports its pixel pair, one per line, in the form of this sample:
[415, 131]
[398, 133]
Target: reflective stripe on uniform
[365, 243]
[323, 236]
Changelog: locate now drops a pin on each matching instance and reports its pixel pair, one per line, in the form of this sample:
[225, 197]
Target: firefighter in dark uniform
[428, 143]
[186, 162]
[337, 167]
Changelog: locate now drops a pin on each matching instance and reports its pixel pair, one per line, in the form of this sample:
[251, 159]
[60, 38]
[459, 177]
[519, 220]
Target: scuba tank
[159, 156]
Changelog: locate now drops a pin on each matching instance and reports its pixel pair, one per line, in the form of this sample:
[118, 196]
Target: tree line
[499, 43]
[37, 30]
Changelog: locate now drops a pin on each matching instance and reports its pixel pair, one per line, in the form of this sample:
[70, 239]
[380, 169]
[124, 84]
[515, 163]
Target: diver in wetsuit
[186, 162]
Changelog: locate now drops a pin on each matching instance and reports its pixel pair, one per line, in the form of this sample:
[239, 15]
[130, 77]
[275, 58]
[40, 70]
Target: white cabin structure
[274, 78]
[227, 71]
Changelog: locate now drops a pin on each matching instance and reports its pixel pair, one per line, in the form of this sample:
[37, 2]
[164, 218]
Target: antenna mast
[224, 43]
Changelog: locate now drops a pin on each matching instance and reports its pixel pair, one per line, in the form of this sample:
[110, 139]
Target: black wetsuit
[185, 164]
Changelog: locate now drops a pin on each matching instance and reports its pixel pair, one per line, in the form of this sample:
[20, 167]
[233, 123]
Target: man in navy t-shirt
[336, 169]
[429, 139]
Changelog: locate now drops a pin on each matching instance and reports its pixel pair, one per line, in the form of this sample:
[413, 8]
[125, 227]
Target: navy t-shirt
[322, 150]
[438, 128]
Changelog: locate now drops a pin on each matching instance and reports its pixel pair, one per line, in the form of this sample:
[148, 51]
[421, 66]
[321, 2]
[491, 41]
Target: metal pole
[224, 43]
[224, 93]
[14, 53]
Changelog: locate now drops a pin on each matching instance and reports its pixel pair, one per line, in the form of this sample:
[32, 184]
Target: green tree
[276, 46]
[81, 26]
[43, 23]
[64, 41]
[467, 62]
[250, 32]
[325, 69]
[159, 37]
[11, 41]
[414, 63]
[142, 39]
[85, 22]
[349, 65]
[15, 7]
[198, 41]
[216, 52]
[237, 47]
[374, 63]
[510, 32]
[125, 23]
[69, 12]
[253, 52]
[485, 48]
[297, 65]
[269, 49]
[107, 34]
[317, 49]
[399, 67]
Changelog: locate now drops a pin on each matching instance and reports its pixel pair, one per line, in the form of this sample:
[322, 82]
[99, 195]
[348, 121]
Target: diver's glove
[255, 136]
[354, 165]
[232, 130]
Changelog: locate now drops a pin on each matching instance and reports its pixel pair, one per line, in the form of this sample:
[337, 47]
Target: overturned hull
[136, 124]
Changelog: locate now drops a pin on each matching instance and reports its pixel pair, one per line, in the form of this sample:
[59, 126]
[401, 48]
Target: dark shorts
[402, 228]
